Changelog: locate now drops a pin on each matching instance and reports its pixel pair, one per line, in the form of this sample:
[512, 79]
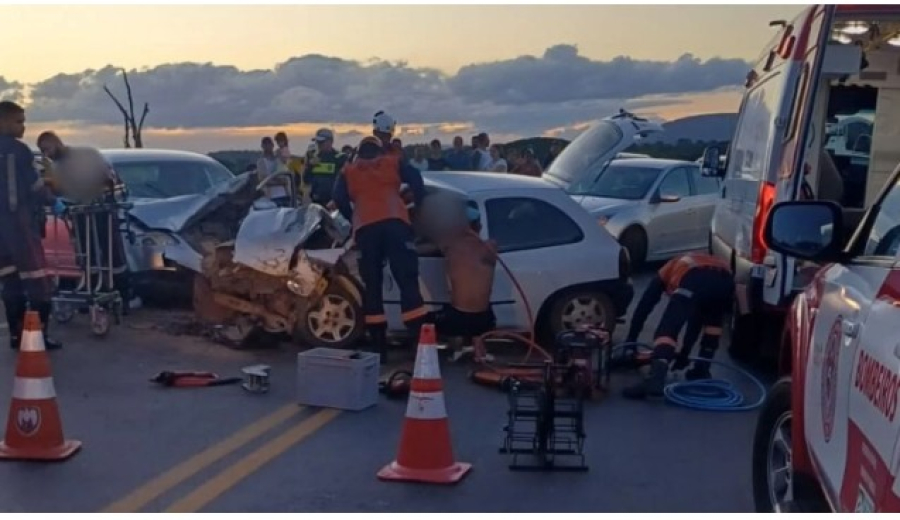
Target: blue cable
[717, 395]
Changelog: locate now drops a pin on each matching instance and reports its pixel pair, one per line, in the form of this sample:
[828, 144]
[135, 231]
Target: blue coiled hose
[717, 395]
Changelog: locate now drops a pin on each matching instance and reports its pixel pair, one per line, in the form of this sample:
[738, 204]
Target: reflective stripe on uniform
[684, 292]
[426, 406]
[31, 275]
[377, 319]
[8, 270]
[415, 313]
[324, 168]
[11, 182]
[712, 331]
[33, 388]
[665, 340]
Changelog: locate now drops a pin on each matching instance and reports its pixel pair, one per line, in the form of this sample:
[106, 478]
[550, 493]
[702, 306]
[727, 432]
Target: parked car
[829, 60]
[160, 184]
[658, 208]
[571, 270]
[580, 170]
[827, 436]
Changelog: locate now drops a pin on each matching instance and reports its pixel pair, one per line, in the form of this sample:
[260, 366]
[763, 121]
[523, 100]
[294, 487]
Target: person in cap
[367, 194]
[322, 168]
[23, 195]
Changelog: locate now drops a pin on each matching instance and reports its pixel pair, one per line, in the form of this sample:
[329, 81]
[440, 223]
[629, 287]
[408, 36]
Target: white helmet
[384, 123]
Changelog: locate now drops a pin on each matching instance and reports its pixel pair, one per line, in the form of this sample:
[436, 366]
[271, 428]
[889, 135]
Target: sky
[221, 77]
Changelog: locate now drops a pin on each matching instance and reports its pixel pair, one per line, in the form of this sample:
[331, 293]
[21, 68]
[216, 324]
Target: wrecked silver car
[262, 270]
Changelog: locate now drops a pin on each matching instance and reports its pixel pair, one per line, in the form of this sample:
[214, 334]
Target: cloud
[526, 95]
[10, 90]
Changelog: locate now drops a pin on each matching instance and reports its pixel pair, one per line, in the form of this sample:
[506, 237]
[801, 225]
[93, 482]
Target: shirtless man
[470, 265]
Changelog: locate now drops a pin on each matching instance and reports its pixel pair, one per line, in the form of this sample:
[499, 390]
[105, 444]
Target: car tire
[744, 336]
[773, 430]
[344, 322]
[574, 308]
[634, 240]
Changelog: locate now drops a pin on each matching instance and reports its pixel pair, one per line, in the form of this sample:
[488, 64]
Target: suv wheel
[776, 487]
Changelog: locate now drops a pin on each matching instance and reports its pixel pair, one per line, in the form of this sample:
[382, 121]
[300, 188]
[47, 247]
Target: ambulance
[816, 243]
[829, 64]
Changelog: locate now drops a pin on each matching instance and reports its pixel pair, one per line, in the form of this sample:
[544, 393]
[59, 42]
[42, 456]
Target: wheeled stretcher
[95, 231]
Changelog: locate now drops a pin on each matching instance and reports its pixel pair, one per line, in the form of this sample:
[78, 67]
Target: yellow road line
[148, 492]
[231, 476]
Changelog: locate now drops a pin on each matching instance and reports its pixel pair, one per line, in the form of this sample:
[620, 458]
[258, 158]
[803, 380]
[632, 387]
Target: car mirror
[710, 164]
[808, 230]
[668, 197]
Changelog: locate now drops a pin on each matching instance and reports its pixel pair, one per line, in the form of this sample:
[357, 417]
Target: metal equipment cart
[95, 291]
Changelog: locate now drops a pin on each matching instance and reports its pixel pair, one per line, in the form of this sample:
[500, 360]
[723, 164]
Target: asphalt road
[221, 449]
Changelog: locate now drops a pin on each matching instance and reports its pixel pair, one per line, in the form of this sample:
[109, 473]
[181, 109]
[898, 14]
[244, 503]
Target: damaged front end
[285, 272]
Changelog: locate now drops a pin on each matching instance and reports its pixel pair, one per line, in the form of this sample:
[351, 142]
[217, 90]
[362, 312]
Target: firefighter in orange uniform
[368, 195]
[700, 289]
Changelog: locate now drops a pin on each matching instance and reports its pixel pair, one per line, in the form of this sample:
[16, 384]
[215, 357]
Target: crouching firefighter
[23, 194]
[700, 287]
[368, 195]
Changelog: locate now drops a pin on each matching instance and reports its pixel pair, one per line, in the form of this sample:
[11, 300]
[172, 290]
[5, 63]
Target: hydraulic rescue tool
[546, 417]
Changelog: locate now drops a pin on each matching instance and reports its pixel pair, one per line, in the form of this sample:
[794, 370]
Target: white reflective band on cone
[33, 389]
[427, 366]
[32, 341]
[426, 406]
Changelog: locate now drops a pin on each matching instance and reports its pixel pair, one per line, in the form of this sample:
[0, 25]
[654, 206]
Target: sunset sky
[220, 77]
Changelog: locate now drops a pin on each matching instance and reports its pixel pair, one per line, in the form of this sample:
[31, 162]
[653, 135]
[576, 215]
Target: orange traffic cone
[33, 428]
[426, 453]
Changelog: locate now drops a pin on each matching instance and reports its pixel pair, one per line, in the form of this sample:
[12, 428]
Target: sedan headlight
[158, 239]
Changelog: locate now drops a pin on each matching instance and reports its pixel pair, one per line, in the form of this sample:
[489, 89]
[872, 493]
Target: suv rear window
[519, 223]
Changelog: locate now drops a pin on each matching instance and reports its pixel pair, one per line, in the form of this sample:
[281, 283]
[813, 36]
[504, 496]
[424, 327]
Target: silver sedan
[657, 208]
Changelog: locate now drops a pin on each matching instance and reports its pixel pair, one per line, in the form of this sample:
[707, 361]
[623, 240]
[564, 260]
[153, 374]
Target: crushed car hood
[177, 213]
[268, 237]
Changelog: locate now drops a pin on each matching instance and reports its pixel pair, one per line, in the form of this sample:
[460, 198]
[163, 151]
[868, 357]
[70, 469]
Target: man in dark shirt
[23, 266]
[458, 158]
[437, 162]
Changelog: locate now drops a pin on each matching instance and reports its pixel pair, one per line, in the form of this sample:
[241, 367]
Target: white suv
[827, 438]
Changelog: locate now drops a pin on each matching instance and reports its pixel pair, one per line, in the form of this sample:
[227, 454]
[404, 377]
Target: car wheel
[581, 307]
[776, 487]
[334, 321]
[634, 240]
[744, 335]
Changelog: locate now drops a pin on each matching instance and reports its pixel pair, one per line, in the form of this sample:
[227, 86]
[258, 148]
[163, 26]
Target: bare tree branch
[132, 127]
[139, 140]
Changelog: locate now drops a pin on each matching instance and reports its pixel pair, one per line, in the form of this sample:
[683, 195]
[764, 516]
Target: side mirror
[710, 165]
[808, 230]
[667, 197]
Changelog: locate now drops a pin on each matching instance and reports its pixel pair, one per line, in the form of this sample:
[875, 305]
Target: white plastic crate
[333, 378]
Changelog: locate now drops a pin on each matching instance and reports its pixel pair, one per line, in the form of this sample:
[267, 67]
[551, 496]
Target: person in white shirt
[482, 155]
[270, 164]
[419, 160]
[498, 163]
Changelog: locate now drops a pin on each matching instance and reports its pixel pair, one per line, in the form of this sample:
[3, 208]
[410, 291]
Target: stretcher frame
[95, 291]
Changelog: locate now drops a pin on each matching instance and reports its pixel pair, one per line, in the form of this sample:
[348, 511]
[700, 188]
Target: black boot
[655, 382]
[414, 327]
[15, 320]
[44, 310]
[700, 370]
[378, 341]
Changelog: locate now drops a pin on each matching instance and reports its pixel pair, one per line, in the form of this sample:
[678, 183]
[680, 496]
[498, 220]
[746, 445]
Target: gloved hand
[59, 207]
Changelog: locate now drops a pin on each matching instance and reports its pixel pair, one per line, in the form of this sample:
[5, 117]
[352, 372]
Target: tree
[133, 128]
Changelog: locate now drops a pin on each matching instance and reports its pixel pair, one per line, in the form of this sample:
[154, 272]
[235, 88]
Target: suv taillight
[624, 264]
[764, 204]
